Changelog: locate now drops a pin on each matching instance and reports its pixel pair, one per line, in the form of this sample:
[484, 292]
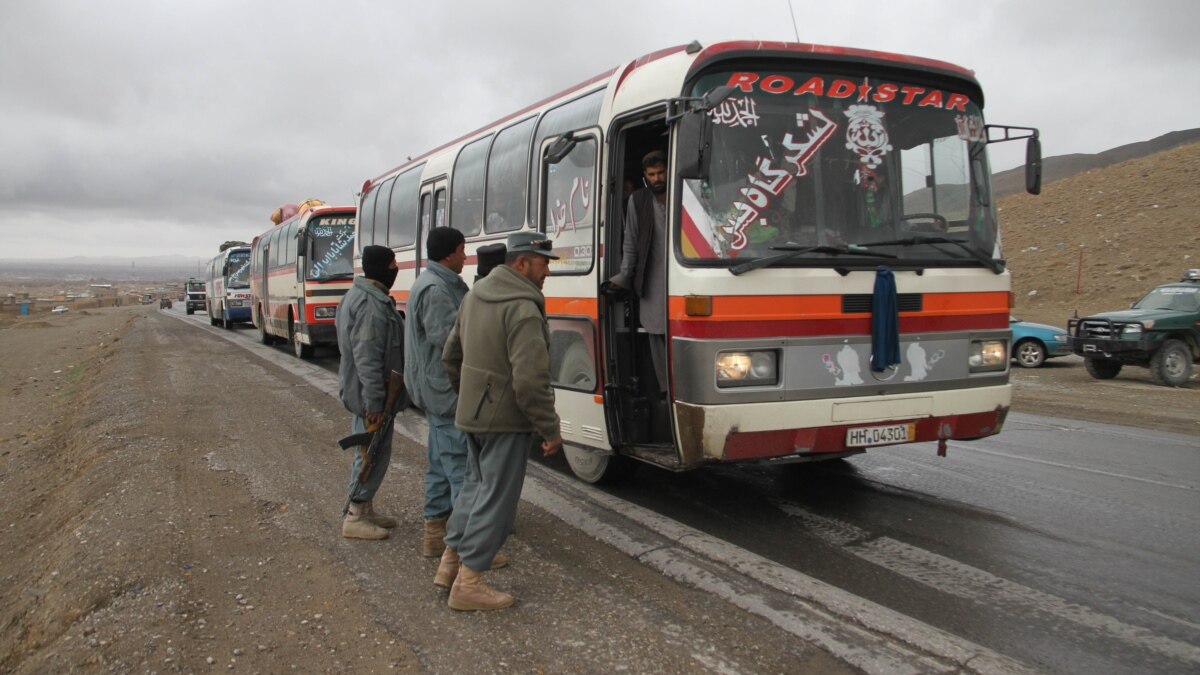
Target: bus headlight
[987, 355]
[235, 303]
[747, 369]
[324, 312]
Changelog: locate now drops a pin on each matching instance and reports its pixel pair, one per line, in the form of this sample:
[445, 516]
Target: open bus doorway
[638, 408]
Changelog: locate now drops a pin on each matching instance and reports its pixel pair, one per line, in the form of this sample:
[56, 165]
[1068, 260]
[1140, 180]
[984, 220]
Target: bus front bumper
[736, 433]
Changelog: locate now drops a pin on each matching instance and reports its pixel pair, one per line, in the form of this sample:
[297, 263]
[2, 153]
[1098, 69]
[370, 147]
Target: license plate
[861, 437]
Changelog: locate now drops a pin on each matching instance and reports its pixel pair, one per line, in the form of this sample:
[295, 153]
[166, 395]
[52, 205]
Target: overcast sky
[154, 127]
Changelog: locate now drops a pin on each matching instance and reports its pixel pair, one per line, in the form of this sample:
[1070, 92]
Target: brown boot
[435, 534]
[499, 561]
[356, 526]
[376, 518]
[470, 593]
[447, 569]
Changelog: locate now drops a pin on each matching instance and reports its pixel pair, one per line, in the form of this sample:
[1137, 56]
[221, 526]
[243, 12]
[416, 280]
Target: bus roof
[706, 56]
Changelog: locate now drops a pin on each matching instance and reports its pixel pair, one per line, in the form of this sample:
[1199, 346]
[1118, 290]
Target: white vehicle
[227, 287]
[799, 179]
[60, 309]
[299, 271]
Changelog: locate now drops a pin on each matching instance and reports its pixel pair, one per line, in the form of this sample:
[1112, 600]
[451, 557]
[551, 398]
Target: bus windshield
[332, 248]
[239, 269]
[850, 163]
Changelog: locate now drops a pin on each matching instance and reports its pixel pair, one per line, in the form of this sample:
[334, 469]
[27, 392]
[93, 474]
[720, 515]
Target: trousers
[366, 491]
[486, 508]
[446, 452]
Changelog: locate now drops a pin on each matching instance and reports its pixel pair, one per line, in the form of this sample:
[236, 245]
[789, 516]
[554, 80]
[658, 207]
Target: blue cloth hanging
[885, 321]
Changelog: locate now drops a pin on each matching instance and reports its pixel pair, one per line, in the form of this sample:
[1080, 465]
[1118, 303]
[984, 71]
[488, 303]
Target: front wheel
[596, 468]
[1102, 369]
[1030, 353]
[1171, 365]
[301, 350]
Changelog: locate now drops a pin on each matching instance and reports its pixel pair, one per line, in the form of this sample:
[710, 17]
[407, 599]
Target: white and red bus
[227, 287]
[299, 271]
[795, 172]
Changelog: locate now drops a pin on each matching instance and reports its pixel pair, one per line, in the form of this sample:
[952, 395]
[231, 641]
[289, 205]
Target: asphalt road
[1067, 546]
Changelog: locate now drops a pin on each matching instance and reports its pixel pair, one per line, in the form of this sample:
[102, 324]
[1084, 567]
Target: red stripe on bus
[769, 328]
[825, 50]
[816, 440]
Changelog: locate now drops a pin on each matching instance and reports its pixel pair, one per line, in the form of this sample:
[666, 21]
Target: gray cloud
[167, 127]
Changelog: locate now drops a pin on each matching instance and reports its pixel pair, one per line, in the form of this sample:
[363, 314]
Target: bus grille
[860, 303]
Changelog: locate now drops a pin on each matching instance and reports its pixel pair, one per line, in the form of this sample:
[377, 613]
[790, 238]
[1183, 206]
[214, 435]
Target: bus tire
[596, 468]
[263, 336]
[301, 350]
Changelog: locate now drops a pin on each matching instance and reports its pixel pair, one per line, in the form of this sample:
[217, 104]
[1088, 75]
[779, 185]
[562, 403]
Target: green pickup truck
[1160, 332]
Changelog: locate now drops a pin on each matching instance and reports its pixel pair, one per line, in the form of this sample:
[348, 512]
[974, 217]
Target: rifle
[368, 442]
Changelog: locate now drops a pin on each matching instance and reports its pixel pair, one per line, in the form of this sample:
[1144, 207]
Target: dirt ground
[171, 505]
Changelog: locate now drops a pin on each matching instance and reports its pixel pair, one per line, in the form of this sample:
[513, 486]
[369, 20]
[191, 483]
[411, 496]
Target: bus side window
[572, 353]
[569, 208]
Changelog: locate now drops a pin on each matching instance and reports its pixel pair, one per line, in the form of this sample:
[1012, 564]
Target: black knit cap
[489, 257]
[442, 242]
[375, 262]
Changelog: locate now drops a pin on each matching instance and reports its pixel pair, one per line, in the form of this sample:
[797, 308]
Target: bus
[194, 290]
[299, 271]
[799, 178]
[227, 287]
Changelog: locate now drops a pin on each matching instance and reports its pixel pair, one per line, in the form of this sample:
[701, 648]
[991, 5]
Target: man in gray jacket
[370, 336]
[432, 308]
[498, 359]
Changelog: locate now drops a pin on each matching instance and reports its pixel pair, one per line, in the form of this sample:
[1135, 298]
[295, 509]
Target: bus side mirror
[1033, 166]
[694, 140]
[560, 148]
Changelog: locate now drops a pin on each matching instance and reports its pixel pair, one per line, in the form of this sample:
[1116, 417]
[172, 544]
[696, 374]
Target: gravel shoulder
[174, 507]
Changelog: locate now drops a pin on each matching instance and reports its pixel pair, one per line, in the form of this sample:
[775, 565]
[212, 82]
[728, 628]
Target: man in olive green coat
[498, 358]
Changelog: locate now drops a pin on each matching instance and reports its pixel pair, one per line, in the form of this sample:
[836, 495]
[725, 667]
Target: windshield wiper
[994, 264]
[792, 252]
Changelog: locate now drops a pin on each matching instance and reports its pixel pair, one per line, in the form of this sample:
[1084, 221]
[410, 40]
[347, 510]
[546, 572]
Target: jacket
[498, 358]
[370, 335]
[432, 308]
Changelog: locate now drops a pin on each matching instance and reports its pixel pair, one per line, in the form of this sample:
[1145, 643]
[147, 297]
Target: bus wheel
[301, 350]
[263, 336]
[594, 467]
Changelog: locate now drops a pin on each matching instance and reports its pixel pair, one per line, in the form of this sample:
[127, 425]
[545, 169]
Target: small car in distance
[60, 309]
[1033, 343]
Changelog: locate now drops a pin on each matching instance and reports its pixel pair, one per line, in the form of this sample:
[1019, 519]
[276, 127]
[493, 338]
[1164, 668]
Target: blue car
[1033, 343]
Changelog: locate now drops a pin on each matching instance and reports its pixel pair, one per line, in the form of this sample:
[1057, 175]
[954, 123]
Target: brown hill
[1099, 240]
[1012, 181]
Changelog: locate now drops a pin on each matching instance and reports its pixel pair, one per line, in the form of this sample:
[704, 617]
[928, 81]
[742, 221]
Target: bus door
[433, 214]
[264, 264]
[568, 214]
[638, 410]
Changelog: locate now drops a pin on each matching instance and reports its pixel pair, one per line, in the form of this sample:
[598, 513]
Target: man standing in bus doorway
[644, 256]
[370, 335]
[498, 358]
[433, 305]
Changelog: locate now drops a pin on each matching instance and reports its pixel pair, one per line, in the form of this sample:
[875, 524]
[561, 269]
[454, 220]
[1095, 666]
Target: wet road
[1069, 546]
